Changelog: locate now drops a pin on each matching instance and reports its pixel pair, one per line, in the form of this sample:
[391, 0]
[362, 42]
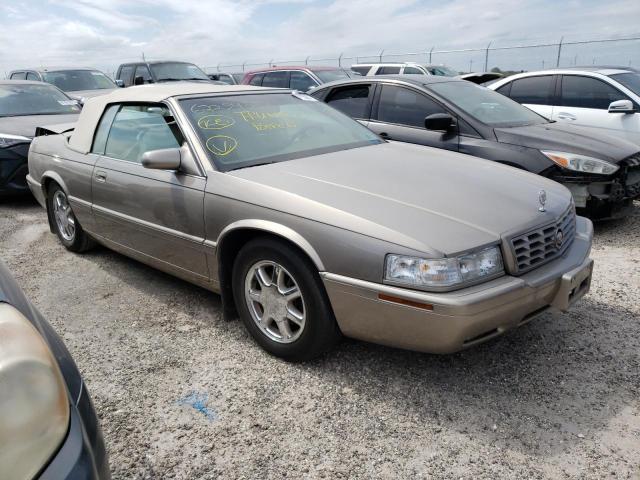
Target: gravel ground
[184, 394]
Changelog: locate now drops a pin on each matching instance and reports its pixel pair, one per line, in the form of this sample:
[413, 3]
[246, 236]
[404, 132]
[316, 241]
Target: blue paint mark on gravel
[199, 402]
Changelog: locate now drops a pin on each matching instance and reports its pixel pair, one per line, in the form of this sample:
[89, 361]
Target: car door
[584, 101]
[155, 215]
[399, 113]
[536, 93]
[354, 100]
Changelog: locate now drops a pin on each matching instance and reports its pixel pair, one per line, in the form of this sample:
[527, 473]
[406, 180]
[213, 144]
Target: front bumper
[462, 318]
[82, 455]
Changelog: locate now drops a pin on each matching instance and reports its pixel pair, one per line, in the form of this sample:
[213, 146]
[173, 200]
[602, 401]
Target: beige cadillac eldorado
[308, 224]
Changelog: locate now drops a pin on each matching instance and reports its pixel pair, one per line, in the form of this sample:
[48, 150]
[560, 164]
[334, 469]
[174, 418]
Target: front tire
[282, 302]
[65, 224]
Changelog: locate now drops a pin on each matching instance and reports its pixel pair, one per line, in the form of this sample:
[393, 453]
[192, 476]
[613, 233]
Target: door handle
[385, 136]
[566, 116]
[101, 176]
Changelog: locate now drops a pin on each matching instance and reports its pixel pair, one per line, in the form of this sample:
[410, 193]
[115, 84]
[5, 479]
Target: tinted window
[73, 80]
[245, 130]
[406, 107]
[276, 80]
[629, 80]
[353, 101]
[301, 81]
[34, 99]
[223, 77]
[486, 105]
[585, 92]
[238, 77]
[177, 71]
[413, 71]
[142, 71]
[102, 132]
[32, 76]
[533, 90]
[137, 129]
[256, 79]
[361, 70]
[504, 89]
[388, 71]
[125, 75]
[19, 76]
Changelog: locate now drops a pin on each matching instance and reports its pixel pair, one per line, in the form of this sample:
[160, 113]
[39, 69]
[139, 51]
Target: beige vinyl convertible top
[82, 136]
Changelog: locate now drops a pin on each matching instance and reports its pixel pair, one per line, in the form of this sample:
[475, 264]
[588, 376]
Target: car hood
[423, 198]
[84, 94]
[26, 125]
[568, 138]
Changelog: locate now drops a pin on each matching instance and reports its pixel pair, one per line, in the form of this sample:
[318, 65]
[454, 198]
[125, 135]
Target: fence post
[486, 57]
[243, 64]
[306, 60]
[559, 50]
[430, 52]
[381, 52]
[271, 62]
[340, 60]
[218, 67]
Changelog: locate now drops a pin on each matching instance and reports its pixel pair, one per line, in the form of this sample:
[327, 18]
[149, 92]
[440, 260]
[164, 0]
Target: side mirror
[439, 121]
[621, 106]
[140, 80]
[119, 83]
[165, 159]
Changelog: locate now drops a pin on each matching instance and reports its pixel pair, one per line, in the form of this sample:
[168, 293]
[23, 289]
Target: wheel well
[227, 253]
[46, 184]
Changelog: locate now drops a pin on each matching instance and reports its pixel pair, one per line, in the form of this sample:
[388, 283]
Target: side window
[388, 71]
[137, 129]
[352, 100]
[533, 90]
[125, 75]
[585, 92]
[301, 81]
[256, 79]
[223, 77]
[32, 76]
[276, 79]
[405, 107]
[362, 70]
[505, 89]
[102, 132]
[19, 76]
[142, 71]
[413, 71]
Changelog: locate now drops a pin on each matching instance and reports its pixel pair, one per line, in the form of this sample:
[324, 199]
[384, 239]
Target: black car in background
[602, 172]
[48, 426]
[141, 73]
[25, 105]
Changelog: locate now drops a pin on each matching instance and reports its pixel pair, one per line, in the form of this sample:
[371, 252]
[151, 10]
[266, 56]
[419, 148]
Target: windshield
[74, 80]
[486, 105]
[629, 80]
[238, 77]
[177, 71]
[24, 99]
[441, 71]
[252, 129]
[331, 75]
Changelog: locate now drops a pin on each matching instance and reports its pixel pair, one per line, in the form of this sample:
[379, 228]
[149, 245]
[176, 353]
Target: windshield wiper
[252, 165]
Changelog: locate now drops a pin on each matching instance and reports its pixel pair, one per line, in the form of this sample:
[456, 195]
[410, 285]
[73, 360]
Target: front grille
[539, 246]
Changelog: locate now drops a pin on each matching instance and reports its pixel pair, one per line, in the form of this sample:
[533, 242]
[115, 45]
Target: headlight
[580, 163]
[34, 408]
[443, 272]
[7, 140]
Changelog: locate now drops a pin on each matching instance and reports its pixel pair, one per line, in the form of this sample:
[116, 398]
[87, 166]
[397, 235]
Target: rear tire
[282, 302]
[65, 223]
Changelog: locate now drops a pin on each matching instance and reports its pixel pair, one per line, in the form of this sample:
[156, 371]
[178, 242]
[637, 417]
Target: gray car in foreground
[307, 223]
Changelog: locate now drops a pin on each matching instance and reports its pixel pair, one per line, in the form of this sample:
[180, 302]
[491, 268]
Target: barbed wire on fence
[429, 54]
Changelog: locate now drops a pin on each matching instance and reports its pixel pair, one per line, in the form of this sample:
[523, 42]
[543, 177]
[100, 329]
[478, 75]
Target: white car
[402, 68]
[603, 98]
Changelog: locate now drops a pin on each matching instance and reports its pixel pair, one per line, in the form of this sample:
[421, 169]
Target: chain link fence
[610, 51]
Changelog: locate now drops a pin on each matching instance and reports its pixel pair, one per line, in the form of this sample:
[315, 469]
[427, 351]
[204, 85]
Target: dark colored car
[602, 172]
[48, 426]
[227, 78]
[300, 78]
[25, 105]
[140, 73]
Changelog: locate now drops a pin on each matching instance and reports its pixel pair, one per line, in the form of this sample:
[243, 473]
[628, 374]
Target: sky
[105, 33]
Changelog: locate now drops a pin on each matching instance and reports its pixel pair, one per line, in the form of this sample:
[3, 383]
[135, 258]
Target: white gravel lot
[181, 393]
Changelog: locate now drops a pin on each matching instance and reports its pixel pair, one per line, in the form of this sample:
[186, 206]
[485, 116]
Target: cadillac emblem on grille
[559, 239]
[542, 198]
